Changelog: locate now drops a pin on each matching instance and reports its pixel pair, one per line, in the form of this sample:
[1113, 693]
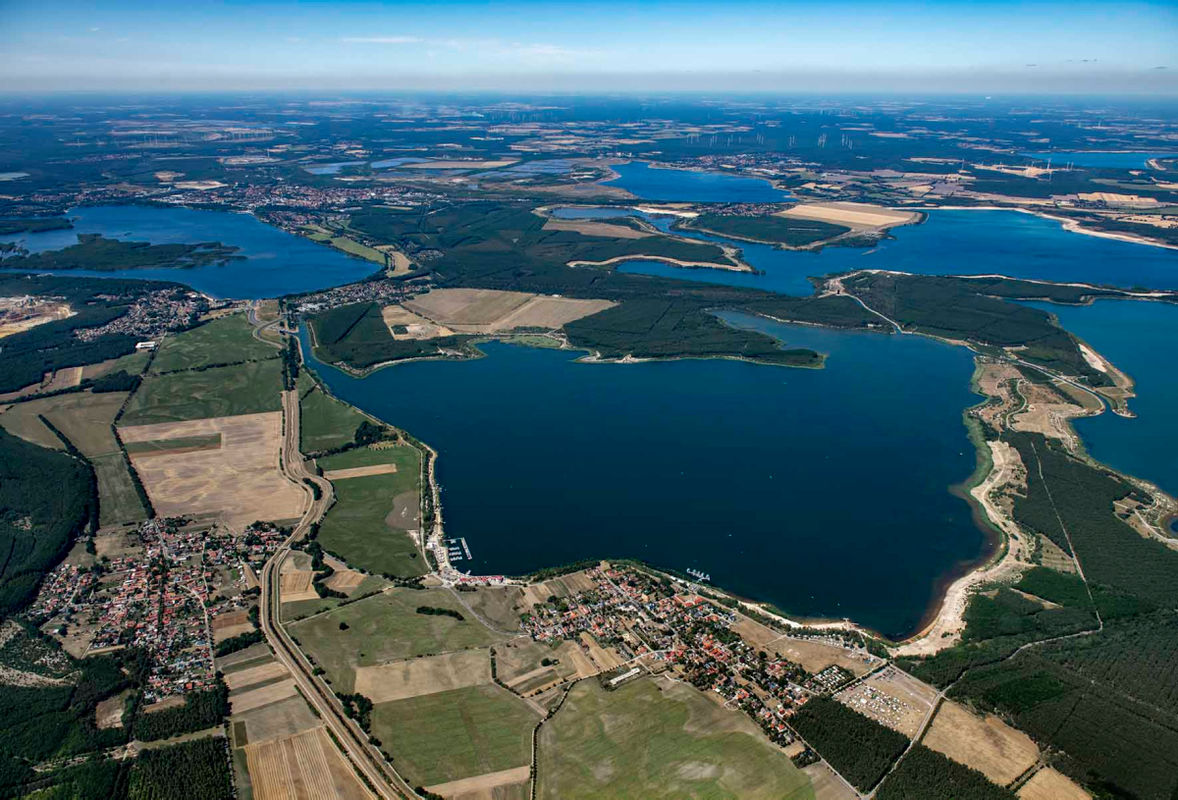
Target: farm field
[491, 310]
[414, 677]
[240, 479]
[367, 525]
[304, 766]
[324, 422]
[446, 736]
[85, 419]
[657, 739]
[386, 627]
[988, 745]
[770, 228]
[225, 340]
[249, 388]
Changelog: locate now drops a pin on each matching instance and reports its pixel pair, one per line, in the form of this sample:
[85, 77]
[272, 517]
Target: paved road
[348, 735]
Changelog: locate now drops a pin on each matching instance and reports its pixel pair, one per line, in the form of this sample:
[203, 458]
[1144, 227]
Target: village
[671, 626]
[166, 588]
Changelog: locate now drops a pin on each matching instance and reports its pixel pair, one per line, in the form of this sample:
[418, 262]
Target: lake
[1141, 339]
[276, 262]
[948, 242]
[818, 490]
[680, 185]
[1108, 159]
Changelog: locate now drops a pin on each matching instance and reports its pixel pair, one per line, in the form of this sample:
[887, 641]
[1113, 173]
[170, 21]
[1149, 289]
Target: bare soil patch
[109, 713]
[241, 480]
[858, 217]
[989, 745]
[590, 227]
[359, 472]
[492, 310]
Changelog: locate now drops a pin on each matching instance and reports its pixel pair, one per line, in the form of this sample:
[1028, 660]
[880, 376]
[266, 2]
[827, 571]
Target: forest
[859, 748]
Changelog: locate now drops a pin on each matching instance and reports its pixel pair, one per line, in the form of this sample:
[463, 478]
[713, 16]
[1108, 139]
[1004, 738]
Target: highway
[350, 738]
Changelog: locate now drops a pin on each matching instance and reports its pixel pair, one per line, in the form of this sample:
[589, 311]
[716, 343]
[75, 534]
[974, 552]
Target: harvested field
[1047, 784]
[418, 676]
[296, 585]
[491, 786]
[251, 653]
[603, 658]
[517, 659]
[556, 587]
[386, 627]
[988, 745]
[816, 656]
[244, 678]
[226, 626]
[344, 581]
[892, 698]
[416, 327]
[85, 419]
[577, 582]
[305, 766]
[827, 785]
[592, 227]
[262, 696]
[462, 733]
[359, 472]
[492, 310]
[856, 216]
[284, 718]
[241, 480]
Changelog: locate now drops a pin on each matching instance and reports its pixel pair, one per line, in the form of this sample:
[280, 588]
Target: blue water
[1100, 158]
[949, 242]
[277, 262]
[818, 490]
[332, 168]
[1141, 339]
[678, 185]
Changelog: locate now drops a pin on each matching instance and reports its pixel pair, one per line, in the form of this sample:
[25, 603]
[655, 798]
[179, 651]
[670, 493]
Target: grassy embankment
[367, 526]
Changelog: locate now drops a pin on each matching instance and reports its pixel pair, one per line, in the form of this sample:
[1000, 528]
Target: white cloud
[380, 39]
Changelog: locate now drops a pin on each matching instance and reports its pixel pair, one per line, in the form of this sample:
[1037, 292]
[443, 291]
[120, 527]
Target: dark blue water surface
[949, 242]
[1141, 339]
[679, 185]
[1100, 158]
[277, 262]
[823, 491]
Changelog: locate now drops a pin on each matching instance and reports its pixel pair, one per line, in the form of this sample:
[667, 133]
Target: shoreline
[1067, 223]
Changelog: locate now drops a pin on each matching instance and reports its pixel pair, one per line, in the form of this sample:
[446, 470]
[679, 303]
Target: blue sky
[974, 46]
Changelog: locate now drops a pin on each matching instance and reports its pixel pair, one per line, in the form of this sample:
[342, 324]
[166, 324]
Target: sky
[822, 45]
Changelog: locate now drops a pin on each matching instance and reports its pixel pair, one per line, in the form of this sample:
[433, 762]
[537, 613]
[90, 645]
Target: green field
[461, 733]
[85, 420]
[304, 608]
[655, 739]
[326, 423]
[768, 228]
[226, 340]
[387, 627]
[366, 526]
[218, 392]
